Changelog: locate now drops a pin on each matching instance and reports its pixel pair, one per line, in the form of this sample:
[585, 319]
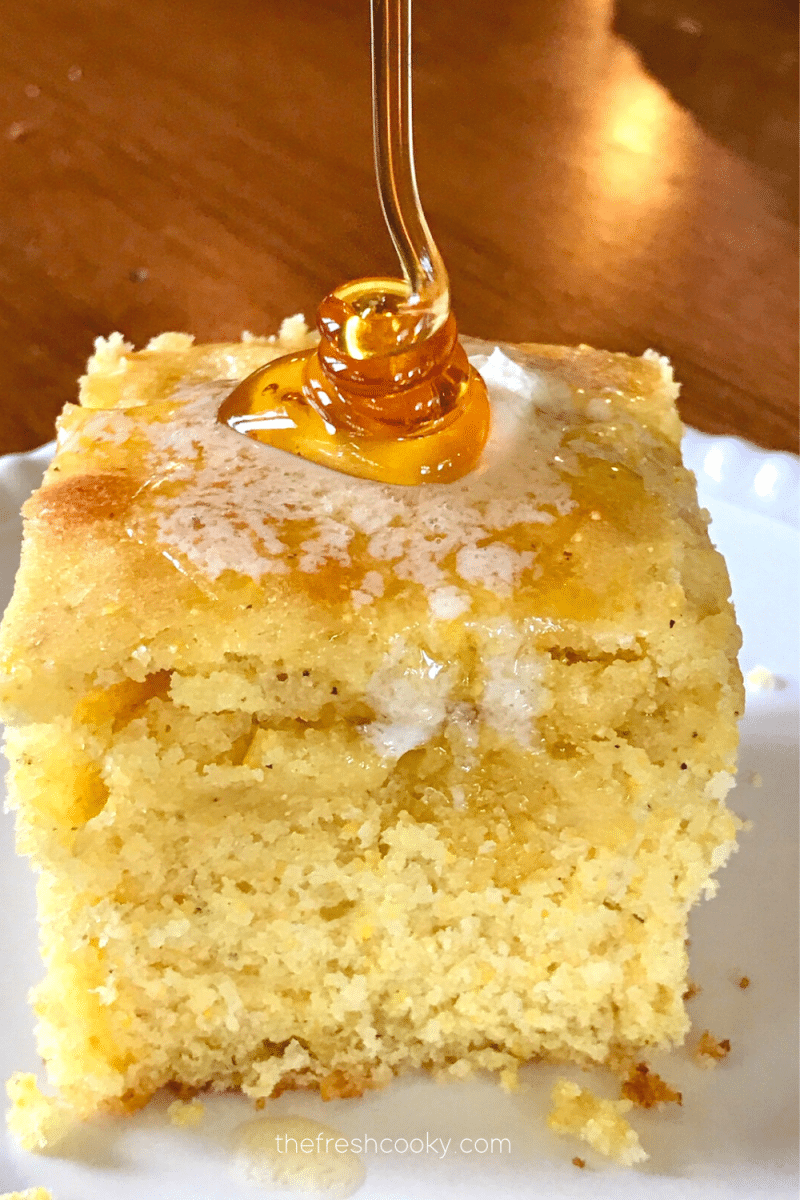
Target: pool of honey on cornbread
[328, 779]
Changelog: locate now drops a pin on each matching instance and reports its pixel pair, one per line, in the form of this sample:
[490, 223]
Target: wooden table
[622, 175]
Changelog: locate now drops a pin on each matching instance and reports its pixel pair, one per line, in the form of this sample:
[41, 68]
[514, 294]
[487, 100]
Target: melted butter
[580, 566]
[388, 394]
[297, 1154]
[588, 563]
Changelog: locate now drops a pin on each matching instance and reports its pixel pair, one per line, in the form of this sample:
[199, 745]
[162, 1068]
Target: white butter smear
[421, 531]
[296, 1154]
[513, 694]
[413, 698]
[410, 694]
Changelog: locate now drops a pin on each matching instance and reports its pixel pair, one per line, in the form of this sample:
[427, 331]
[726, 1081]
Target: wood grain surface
[619, 174]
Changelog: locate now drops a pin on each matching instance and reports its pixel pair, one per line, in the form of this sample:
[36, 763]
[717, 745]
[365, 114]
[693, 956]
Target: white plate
[736, 1134]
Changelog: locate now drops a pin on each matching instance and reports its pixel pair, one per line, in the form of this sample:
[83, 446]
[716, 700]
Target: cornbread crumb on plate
[36, 1121]
[187, 1115]
[329, 780]
[646, 1089]
[598, 1122]
[710, 1050]
[761, 679]
[34, 1193]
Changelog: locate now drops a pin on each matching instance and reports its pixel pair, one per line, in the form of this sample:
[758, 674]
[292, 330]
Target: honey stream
[388, 394]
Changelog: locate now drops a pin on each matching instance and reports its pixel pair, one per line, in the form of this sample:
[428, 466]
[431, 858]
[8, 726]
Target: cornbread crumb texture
[36, 1121]
[350, 780]
[34, 1193]
[598, 1122]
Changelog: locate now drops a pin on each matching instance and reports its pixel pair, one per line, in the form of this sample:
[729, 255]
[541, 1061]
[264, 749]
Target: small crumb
[744, 982]
[646, 1089]
[138, 274]
[710, 1050]
[598, 1122]
[74, 74]
[509, 1079]
[34, 1120]
[34, 1193]
[692, 990]
[17, 130]
[761, 679]
[261, 1104]
[32, 91]
[186, 1115]
[579, 1162]
[755, 780]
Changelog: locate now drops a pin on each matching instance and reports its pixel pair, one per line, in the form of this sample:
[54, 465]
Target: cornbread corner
[326, 779]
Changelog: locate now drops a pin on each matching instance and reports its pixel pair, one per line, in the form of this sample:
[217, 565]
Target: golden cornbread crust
[69, 505]
[327, 780]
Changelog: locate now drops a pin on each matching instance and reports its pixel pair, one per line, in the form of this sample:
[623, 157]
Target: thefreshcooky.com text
[438, 1146]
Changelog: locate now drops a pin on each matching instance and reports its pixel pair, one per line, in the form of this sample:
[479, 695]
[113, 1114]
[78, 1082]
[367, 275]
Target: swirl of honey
[388, 394]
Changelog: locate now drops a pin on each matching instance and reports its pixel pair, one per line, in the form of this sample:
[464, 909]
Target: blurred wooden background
[623, 174]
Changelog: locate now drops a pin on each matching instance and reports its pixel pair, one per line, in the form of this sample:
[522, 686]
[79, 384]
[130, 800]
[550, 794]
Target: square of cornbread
[327, 779]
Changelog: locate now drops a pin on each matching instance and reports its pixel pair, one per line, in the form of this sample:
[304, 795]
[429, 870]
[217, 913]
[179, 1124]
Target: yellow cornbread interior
[247, 880]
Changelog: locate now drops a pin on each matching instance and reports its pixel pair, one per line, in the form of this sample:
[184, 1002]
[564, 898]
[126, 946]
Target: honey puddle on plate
[296, 1154]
